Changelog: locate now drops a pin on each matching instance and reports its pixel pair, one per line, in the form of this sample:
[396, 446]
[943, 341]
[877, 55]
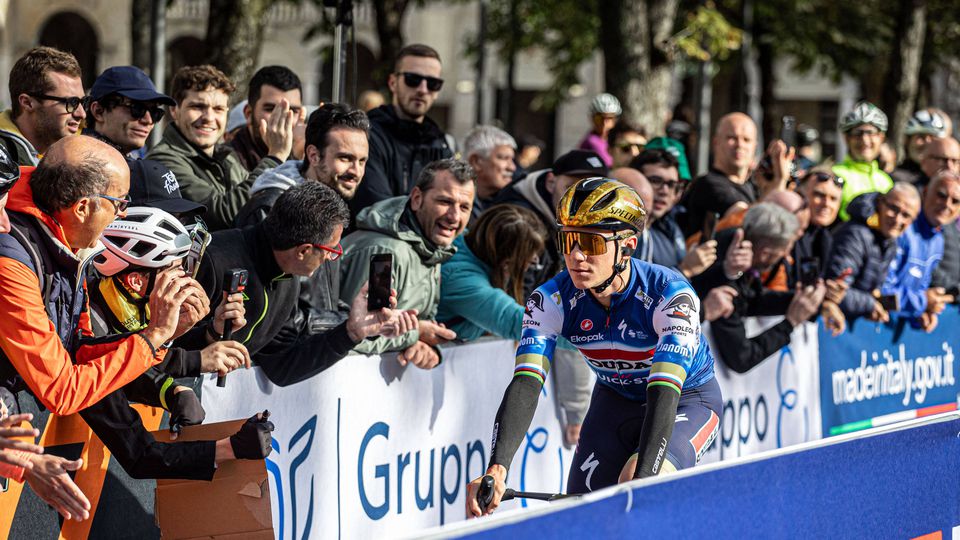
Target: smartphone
[199, 240]
[890, 302]
[381, 281]
[788, 131]
[709, 226]
[809, 270]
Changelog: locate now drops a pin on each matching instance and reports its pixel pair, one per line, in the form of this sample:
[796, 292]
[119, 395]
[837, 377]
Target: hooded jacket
[859, 246]
[399, 149]
[390, 227]
[15, 143]
[219, 182]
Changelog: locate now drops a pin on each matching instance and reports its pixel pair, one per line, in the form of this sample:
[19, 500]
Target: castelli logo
[586, 325]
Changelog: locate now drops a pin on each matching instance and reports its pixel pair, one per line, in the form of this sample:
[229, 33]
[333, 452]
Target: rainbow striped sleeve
[532, 365]
[667, 374]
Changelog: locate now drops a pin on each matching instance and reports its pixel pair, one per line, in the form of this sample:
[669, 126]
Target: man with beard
[418, 231]
[47, 104]
[335, 155]
[402, 139]
[490, 151]
[268, 86]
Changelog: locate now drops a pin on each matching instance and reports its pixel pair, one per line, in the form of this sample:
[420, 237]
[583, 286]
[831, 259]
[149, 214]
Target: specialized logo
[535, 302]
[622, 327]
[589, 464]
[586, 325]
[680, 307]
[170, 182]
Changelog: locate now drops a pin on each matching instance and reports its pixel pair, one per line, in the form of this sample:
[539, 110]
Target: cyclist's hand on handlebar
[499, 474]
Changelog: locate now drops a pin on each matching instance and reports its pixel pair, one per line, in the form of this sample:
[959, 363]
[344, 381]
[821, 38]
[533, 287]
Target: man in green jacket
[418, 231]
[211, 174]
[864, 129]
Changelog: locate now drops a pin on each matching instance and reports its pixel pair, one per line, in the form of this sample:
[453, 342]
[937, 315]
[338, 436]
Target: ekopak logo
[586, 325]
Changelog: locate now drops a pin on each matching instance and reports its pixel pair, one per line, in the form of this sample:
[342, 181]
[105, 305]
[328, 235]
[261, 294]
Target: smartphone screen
[788, 131]
[709, 226]
[381, 281]
[809, 270]
[890, 302]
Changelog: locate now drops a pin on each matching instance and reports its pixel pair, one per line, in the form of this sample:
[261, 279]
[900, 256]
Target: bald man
[939, 155]
[921, 248]
[734, 147]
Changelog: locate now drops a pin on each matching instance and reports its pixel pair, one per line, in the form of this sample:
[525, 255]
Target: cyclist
[656, 406]
[604, 111]
[864, 129]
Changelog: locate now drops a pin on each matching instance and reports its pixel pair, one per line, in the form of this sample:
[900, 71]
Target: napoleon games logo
[535, 302]
[586, 325]
[680, 307]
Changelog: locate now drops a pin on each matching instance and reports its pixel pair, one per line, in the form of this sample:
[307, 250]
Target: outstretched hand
[388, 322]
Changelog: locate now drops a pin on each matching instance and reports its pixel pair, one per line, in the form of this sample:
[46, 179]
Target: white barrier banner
[775, 404]
[370, 449]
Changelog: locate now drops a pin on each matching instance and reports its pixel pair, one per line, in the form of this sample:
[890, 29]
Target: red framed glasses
[335, 252]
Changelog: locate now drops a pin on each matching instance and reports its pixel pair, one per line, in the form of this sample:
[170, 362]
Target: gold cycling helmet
[601, 203]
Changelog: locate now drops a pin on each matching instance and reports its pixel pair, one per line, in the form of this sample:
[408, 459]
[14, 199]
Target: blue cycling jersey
[650, 334]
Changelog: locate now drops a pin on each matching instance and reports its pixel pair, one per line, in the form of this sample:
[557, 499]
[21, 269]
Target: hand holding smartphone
[709, 226]
[380, 281]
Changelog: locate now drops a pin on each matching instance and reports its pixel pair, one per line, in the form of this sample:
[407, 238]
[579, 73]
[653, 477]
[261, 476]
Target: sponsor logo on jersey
[643, 297]
[677, 329]
[586, 339]
[528, 341]
[556, 299]
[576, 297]
[621, 365]
[535, 302]
[586, 325]
[674, 348]
[527, 323]
[680, 307]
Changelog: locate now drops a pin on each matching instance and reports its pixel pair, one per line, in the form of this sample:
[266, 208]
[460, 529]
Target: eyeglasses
[138, 109]
[413, 80]
[590, 243]
[865, 133]
[897, 211]
[658, 181]
[70, 103]
[119, 205]
[946, 160]
[335, 252]
[636, 148]
[825, 177]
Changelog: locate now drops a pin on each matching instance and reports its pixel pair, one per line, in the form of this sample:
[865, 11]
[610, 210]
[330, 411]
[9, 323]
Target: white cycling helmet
[605, 104]
[924, 122]
[864, 112]
[146, 238]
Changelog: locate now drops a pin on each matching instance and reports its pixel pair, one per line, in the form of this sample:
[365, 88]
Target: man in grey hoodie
[335, 154]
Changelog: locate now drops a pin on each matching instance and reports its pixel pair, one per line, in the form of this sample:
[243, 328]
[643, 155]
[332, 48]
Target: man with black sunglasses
[402, 139]
[125, 106]
[47, 103]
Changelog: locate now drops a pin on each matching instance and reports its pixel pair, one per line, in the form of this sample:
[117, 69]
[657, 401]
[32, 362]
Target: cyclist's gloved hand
[185, 410]
[253, 439]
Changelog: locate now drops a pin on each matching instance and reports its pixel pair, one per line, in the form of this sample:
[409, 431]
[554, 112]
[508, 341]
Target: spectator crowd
[118, 264]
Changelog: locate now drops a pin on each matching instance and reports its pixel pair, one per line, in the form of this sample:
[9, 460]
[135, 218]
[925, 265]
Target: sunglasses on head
[413, 80]
[590, 243]
[827, 177]
[138, 109]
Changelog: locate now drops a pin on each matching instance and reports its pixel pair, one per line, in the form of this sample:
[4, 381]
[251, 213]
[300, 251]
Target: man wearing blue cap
[125, 107]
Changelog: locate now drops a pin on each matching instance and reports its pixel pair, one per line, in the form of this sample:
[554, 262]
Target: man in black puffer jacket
[402, 139]
[864, 246]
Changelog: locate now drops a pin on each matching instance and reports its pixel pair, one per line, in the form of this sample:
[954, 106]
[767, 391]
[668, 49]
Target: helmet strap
[618, 268]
